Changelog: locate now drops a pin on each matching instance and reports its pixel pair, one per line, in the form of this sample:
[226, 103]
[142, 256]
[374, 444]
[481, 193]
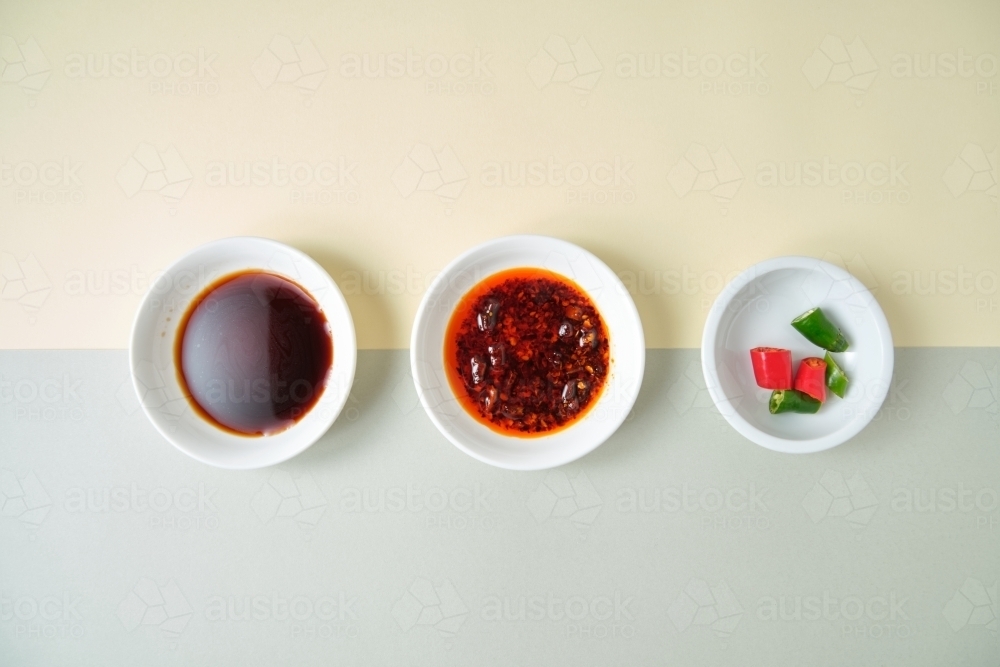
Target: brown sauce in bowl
[253, 353]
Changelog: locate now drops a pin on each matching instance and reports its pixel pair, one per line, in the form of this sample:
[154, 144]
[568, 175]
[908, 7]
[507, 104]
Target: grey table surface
[676, 542]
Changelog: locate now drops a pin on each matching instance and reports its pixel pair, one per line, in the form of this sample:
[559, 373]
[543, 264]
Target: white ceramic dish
[154, 331]
[756, 309]
[628, 354]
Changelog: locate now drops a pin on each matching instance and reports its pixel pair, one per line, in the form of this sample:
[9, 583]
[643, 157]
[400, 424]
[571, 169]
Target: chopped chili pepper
[811, 378]
[790, 400]
[772, 367]
[836, 378]
[814, 325]
[526, 352]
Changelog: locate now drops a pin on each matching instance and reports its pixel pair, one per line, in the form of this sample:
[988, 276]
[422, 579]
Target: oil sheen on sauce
[526, 352]
[253, 353]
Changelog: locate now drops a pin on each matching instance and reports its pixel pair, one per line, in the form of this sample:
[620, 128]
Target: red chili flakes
[526, 352]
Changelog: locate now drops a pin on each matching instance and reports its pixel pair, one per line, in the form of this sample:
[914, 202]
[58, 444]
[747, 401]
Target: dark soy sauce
[253, 353]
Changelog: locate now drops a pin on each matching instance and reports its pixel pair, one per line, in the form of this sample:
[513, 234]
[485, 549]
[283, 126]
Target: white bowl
[154, 373]
[628, 354]
[756, 309]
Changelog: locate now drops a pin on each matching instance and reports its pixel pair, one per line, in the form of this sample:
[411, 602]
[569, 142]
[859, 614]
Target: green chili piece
[820, 331]
[836, 378]
[790, 400]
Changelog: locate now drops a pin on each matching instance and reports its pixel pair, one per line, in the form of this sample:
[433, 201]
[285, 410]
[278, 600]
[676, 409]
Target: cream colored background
[229, 115]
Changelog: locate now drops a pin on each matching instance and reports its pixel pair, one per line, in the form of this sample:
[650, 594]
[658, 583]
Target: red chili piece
[811, 378]
[772, 367]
